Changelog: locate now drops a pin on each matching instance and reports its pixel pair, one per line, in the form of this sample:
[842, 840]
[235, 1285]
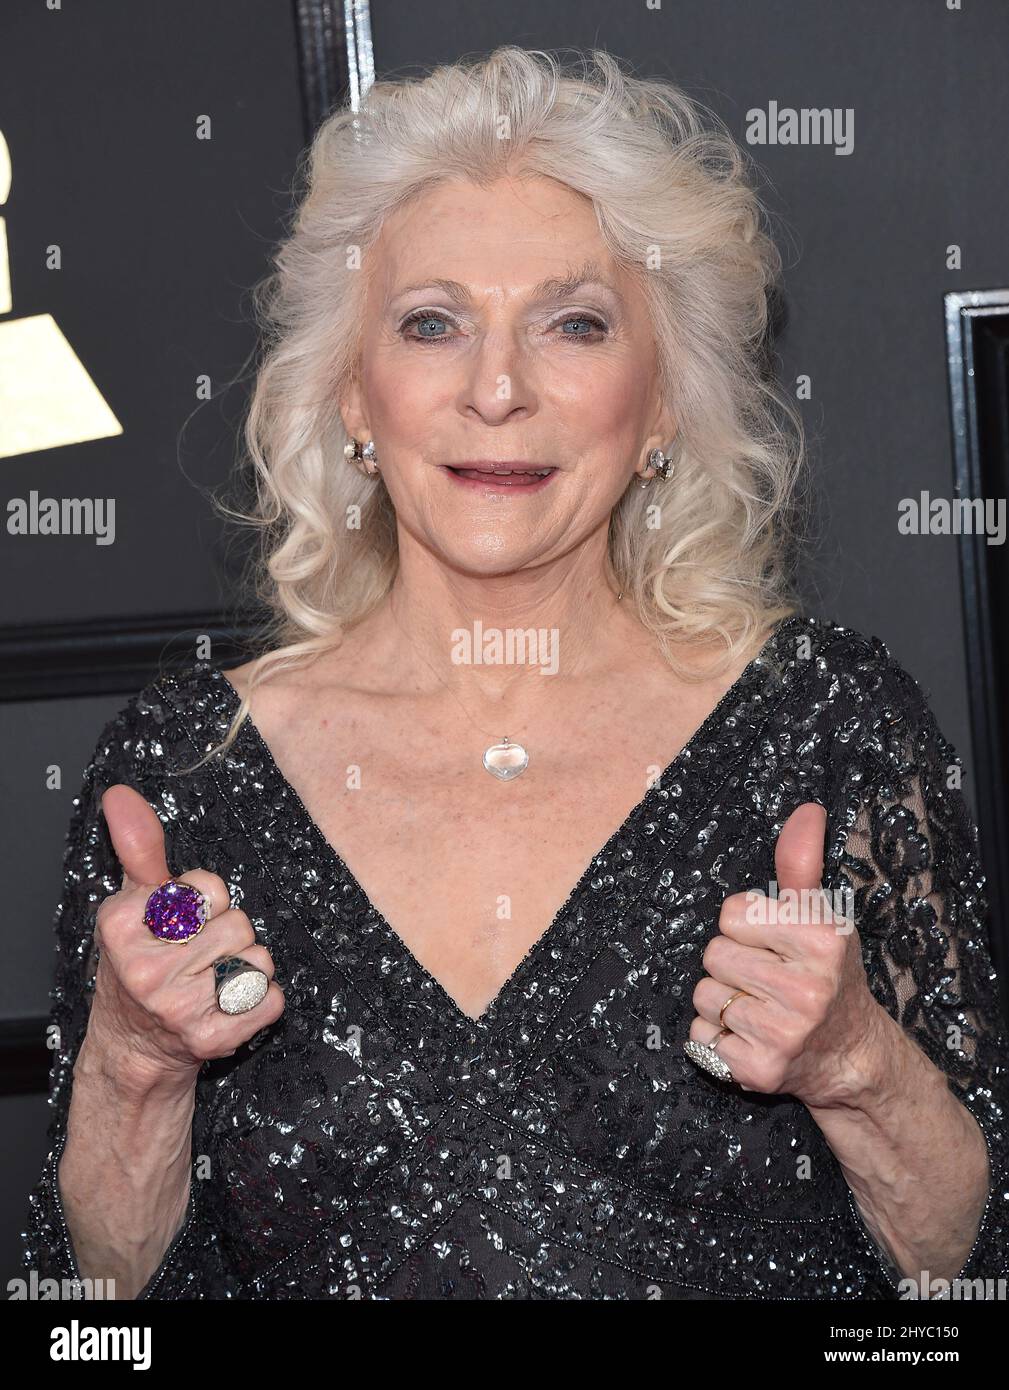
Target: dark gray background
[165, 236]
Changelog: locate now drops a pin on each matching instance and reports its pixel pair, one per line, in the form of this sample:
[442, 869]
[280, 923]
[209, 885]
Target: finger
[137, 835]
[736, 1052]
[227, 935]
[256, 956]
[786, 925]
[743, 1014]
[211, 886]
[742, 967]
[259, 957]
[127, 908]
[798, 853]
[222, 1034]
[702, 1030]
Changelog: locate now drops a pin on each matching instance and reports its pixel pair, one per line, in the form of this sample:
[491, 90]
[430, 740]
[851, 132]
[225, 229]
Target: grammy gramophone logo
[47, 397]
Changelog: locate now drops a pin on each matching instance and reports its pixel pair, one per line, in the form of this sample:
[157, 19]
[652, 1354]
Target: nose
[498, 379]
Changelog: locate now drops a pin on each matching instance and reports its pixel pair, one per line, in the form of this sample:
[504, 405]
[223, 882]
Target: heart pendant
[506, 760]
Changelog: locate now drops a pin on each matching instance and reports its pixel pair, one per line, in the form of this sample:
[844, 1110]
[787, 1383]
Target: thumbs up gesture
[803, 1020]
[155, 1019]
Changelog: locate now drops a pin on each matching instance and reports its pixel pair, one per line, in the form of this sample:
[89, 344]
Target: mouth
[510, 477]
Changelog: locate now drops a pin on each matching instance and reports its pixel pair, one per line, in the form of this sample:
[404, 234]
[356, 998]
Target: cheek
[403, 395]
[600, 404]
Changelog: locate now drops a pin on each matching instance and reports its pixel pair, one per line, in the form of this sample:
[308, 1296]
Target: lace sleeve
[90, 873]
[906, 847]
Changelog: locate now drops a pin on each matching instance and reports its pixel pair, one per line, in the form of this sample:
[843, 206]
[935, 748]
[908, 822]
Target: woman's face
[503, 367]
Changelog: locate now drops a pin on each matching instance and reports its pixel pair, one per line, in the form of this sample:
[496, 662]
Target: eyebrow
[550, 290]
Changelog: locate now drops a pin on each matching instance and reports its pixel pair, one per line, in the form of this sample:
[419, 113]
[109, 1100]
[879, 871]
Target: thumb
[798, 854]
[137, 836]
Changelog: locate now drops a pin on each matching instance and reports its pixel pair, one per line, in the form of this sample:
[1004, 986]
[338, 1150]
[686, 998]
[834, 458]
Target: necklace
[504, 760]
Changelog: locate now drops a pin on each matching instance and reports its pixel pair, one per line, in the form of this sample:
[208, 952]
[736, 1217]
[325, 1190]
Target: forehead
[511, 233]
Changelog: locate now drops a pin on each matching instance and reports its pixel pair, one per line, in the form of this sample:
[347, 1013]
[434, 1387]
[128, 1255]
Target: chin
[484, 554]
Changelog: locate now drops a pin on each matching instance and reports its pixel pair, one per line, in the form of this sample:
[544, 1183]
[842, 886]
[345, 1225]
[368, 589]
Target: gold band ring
[721, 1011]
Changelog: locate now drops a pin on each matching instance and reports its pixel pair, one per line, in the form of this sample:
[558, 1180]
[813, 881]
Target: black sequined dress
[377, 1143]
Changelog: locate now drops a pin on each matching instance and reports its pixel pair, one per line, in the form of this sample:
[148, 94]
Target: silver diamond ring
[707, 1058]
[239, 985]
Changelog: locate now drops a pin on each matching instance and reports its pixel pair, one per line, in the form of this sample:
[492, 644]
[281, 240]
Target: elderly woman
[558, 911]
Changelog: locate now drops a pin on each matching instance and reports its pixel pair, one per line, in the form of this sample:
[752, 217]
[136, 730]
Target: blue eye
[595, 324]
[423, 316]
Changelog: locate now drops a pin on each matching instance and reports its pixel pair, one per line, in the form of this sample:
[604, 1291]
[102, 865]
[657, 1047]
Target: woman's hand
[155, 1019]
[808, 1024]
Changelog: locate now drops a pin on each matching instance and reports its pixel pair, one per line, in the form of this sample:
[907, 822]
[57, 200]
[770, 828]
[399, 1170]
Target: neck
[493, 639]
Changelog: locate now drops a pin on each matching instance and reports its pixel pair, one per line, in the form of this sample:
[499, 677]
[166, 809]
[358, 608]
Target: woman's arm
[91, 873]
[921, 1135]
[129, 1036]
[125, 1171]
[885, 1022]
[914, 1157]
[115, 1188]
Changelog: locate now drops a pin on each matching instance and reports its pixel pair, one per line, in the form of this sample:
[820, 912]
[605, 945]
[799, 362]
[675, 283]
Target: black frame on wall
[977, 356]
[335, 55]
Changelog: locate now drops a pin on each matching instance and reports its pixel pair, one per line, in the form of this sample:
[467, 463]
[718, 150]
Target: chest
[470, 871]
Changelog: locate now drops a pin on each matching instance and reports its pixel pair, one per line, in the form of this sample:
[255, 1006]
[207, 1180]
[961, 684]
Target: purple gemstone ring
[176, 912]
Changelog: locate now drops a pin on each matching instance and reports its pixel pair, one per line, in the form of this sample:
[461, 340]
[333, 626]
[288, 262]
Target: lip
[493, 477]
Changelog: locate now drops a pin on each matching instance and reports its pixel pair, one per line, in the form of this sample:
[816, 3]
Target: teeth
[508, 472]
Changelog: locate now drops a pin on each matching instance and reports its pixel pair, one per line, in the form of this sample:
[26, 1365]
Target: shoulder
[828, 644]
[163, 723]
[872, 719]
[852, 669]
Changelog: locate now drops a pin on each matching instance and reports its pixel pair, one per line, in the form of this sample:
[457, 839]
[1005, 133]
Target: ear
[664, 425]
[352, 411]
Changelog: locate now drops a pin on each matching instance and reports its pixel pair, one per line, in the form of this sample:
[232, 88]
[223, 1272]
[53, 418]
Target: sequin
[377, 1143]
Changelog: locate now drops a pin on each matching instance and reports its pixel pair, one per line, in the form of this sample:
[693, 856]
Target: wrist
[875, 1070]
[106, 1064]
[886, 1075]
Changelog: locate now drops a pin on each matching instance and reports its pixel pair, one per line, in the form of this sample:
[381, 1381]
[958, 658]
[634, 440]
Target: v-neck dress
[375, 1142]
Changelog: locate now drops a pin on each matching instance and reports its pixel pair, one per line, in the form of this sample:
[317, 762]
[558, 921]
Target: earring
[662, 463]
[353, 453]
